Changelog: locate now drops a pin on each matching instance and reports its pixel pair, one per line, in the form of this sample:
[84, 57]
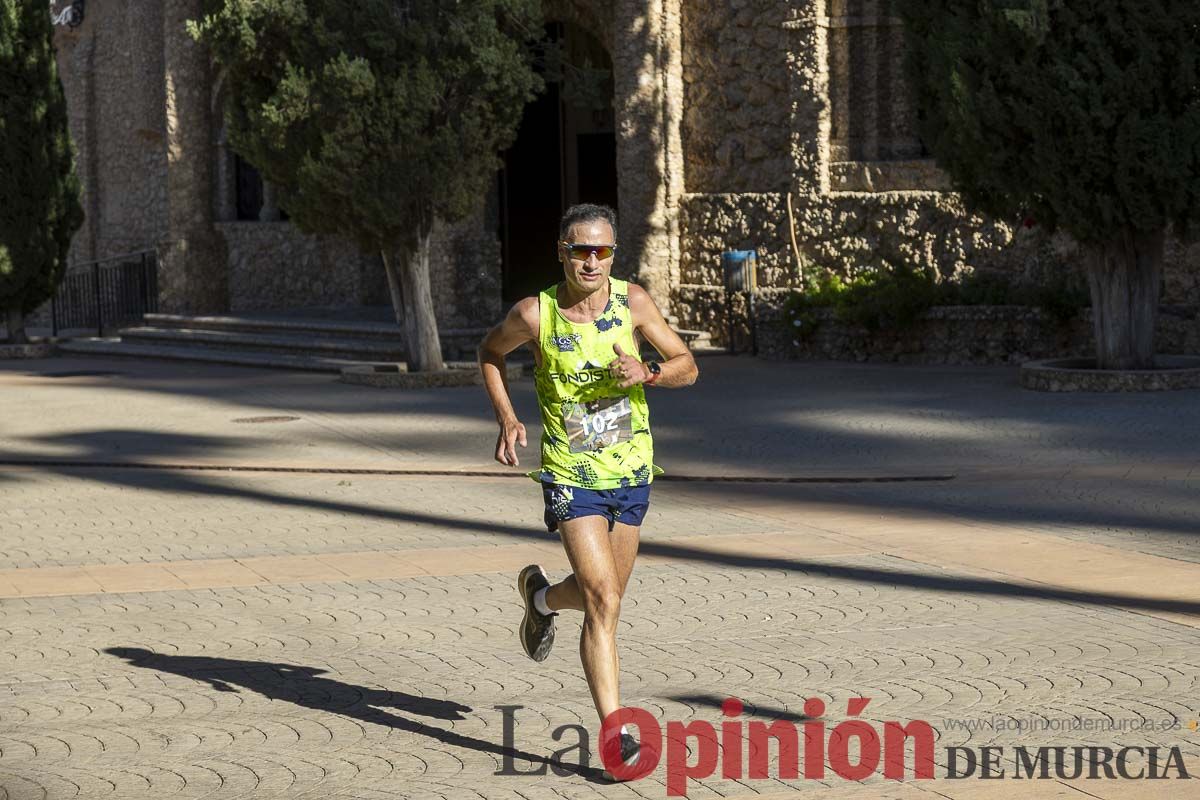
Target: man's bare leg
[565, 594]
[602, 563]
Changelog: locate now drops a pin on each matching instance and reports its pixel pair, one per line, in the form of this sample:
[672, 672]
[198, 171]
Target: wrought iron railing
[107, 293]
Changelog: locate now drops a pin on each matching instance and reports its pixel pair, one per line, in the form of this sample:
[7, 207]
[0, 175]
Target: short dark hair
[587, 212]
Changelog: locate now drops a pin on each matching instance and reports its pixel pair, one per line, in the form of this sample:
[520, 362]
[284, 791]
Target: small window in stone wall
[874, 144]
[249, 188]
[251, 194]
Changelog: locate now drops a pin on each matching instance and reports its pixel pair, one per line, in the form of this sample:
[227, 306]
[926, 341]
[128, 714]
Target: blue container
[740, 268]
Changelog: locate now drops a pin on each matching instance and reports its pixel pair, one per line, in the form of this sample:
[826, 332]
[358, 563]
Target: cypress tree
[374, 117]
[1083, 115]
[39, 190]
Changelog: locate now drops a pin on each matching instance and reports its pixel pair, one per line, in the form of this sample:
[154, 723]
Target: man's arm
[678, 365]
[519, 327]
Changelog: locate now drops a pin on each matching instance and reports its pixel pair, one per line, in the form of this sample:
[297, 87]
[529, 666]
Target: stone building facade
[145, 115]
[781, 126]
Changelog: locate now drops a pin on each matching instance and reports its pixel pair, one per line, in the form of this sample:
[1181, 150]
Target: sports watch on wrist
[655, 372]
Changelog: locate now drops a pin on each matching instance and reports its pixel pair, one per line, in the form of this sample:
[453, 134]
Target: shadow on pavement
[302, 686]
[751, 709]
[1034, 501]
[108, 446]
[89, 446]
[805, 416]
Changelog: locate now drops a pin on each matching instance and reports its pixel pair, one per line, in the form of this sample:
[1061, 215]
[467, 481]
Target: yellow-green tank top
[595, 434]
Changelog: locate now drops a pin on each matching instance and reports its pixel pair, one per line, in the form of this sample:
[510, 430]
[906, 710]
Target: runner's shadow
[302, 686]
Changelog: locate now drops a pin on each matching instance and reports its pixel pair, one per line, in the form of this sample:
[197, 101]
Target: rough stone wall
[829, 75]
[954, 335]
[146, 147]
[843, 233]
[112, 72]
[1181, 272]
[273, 265]
[465, 270]
[849, 233]
[871, 111]
[736, 121]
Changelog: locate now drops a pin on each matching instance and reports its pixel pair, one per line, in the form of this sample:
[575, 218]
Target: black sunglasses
[580, 252]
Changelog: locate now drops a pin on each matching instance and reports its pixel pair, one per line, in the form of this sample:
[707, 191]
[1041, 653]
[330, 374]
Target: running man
[597, 452]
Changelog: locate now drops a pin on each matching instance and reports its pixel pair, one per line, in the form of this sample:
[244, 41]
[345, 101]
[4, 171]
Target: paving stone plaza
[220, 582]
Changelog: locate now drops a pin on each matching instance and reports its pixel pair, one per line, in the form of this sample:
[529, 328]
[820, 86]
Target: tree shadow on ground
[171, 481]
[141, 448]
[876, 417]
[808, 416]
[303, 686]
[1014, 501]
[751, 708]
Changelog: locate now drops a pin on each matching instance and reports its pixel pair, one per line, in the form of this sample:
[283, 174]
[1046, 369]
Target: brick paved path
[182, 634]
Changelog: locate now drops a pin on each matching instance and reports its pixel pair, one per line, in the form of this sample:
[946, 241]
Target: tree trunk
[1125, 275]
[412, 300]
[420, 323]
[16, 327]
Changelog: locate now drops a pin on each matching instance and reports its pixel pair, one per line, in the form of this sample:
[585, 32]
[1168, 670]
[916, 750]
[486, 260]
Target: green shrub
[876, 300]
[374, 118]
[898, 299]
[1061, 295]
[983, 289]
[1083, 116]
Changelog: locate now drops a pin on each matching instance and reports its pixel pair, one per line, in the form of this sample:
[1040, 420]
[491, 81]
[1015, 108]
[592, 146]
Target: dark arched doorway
[565, 153]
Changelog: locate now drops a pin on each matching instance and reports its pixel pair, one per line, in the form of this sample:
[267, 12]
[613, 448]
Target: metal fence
[106, 294]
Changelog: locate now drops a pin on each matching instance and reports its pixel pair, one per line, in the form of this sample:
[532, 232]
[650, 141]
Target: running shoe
[630, 751]
[537, 629]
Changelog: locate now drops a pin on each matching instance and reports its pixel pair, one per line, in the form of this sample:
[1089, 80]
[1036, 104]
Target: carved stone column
[193, 276]
[808, 87]
[648, 78]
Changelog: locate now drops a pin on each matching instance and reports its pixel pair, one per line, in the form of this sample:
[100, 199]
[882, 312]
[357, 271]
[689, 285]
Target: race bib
[598, 424]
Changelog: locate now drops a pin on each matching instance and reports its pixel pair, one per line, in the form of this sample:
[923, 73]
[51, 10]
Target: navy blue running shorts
[626, 505]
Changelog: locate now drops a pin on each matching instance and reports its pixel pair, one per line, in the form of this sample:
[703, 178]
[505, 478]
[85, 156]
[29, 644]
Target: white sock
[539, 601]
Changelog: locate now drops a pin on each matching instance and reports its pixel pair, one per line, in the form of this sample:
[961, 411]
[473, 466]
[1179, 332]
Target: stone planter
[31, 350]
[1079, 375]
[397, 376]
[957, 335]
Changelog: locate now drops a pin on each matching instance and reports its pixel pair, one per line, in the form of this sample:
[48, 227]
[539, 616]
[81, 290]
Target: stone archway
[644, 40]
[564, 153]
[593, 15]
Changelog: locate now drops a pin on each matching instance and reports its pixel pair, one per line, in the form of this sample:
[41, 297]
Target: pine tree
[1082, 115]
[39, 190]
[376, 117]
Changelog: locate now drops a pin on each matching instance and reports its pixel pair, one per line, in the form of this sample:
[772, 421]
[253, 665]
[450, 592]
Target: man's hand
[628, 369]
[512, 433]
